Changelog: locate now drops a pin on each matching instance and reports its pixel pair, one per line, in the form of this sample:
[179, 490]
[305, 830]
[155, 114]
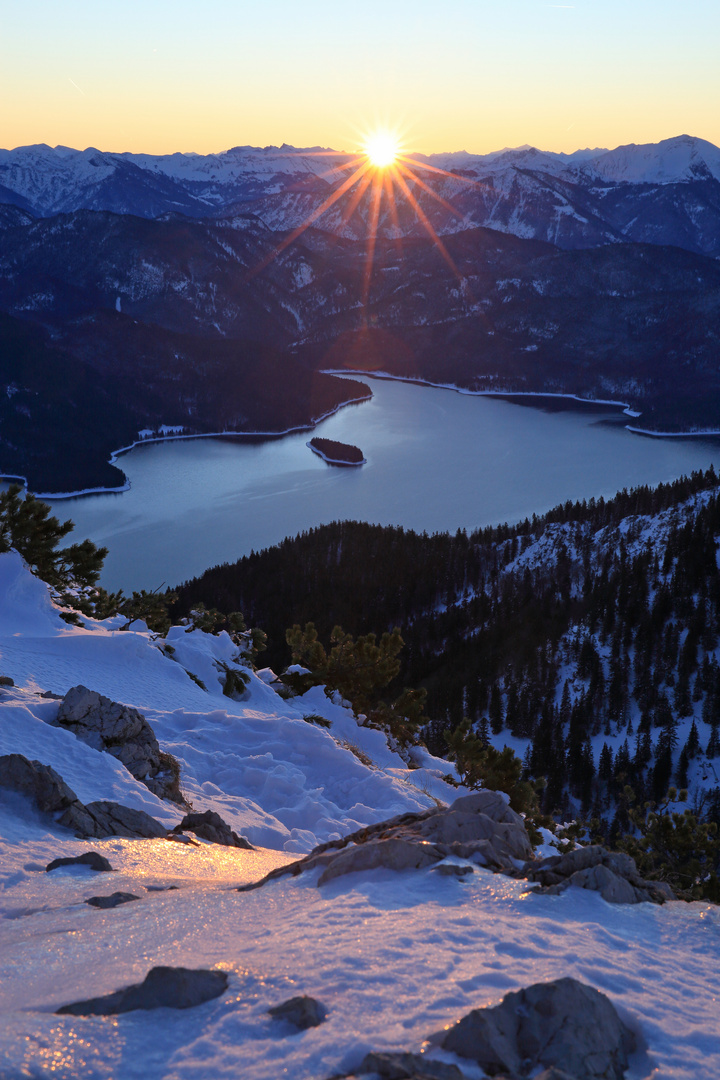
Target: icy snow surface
[394, 958]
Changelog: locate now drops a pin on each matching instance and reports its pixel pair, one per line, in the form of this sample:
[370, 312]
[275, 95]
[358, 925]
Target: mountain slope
[393, 957]
[588, 640]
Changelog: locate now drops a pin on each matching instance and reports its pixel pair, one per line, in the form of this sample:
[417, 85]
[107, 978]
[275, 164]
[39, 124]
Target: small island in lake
[337, 453]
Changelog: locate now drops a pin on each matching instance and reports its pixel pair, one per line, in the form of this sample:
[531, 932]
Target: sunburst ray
[426, 187]
[383, 168]
[425, 221]
[316, 213]
[372, 237]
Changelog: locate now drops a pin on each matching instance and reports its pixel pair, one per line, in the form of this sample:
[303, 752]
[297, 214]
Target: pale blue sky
[463, 74]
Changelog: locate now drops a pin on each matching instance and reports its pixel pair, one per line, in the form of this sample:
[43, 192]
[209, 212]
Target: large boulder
[113, 819]
[611, 873]
[395, 853]
[112, 900]
[562, 1024]
[302, 1012]
[39, 783]
[404, 1066]
[93, 859]
[210, 826]
[163, 987]
[480, 828]
[47, 790]
[124, 732]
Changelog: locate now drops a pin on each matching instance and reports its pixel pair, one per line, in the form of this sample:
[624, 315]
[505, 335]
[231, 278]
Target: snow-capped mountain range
[667, 192]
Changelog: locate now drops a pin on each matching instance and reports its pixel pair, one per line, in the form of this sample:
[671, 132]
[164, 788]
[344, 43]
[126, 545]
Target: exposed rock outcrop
[113, 900]
[47, 790]
[404, 1066]
[163, 987]
[210, 826]
[302, 1012]
[562, 1024]
[480, 828]
[123, 732]
[114, 819]
[613, 874]
[88, 858]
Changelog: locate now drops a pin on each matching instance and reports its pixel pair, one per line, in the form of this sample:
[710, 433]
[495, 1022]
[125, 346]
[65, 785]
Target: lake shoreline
[504, 394]
[513, 395]
[436, 462]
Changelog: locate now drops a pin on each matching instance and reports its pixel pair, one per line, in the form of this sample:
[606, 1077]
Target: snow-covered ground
[393, 957]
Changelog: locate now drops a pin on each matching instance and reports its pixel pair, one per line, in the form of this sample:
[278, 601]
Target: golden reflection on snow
[60, 1051]
[164, 861]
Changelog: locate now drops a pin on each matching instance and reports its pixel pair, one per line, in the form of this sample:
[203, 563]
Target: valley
[118, 316]
[364, 748]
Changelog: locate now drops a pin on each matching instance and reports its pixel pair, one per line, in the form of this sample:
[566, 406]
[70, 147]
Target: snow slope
[394, 957]
[670, 161]
[280, 781]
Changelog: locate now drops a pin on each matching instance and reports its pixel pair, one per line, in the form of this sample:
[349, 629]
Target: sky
[157, 76]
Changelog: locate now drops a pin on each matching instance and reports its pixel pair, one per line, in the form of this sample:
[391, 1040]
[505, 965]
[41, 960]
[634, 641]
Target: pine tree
[495, 711]
[692, 746]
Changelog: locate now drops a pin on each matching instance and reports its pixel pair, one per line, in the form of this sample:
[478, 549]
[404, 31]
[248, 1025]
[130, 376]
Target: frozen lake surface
[437, 460]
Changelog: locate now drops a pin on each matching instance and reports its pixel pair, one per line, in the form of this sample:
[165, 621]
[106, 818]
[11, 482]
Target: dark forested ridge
[590, 634]
[66, 409]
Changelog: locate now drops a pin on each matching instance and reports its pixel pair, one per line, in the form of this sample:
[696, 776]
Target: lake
[437, 460]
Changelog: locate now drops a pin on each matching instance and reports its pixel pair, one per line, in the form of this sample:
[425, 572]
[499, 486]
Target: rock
[123, 732]
[5, 680]
[395, 853]
[453, 870]
[41, 784]
[611, 873]
[480, 827]
[483, 820]
[161, 888]
[562, 1024]
[163, 987]
[104, 818]
[111, 901]
[89, 858]
[402, 1066]
[210, 826]
[51, 795]
[304, 1012]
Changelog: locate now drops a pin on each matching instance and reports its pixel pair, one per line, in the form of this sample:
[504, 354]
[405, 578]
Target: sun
[382, 148]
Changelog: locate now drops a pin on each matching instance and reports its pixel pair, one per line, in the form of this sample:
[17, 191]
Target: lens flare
[382, 148]
[371, 182]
